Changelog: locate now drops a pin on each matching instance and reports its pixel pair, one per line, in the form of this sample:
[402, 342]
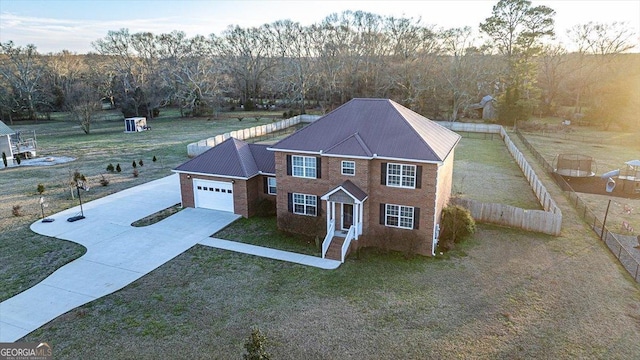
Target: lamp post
[42, 206]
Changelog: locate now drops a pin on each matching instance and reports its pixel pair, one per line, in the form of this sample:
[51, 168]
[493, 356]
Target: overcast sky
[54, 25]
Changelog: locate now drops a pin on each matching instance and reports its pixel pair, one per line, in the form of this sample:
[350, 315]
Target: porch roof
[350, 189]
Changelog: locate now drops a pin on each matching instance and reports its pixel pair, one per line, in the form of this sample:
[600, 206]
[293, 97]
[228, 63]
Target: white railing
[347, 241]
[327, 239]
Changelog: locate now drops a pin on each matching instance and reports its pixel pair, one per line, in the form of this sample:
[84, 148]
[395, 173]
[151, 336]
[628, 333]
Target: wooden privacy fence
[547, 221]
[197, 148]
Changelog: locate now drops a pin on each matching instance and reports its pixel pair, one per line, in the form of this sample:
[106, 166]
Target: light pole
[79, 185]
[42, 206]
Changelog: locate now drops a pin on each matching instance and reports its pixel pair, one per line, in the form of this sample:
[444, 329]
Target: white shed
[135, 124]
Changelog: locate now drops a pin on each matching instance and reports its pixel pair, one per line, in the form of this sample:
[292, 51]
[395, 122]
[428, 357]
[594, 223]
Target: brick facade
[368, 178]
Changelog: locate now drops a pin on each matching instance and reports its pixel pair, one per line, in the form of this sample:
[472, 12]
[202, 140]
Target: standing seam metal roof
[233, 158]
[379, 127]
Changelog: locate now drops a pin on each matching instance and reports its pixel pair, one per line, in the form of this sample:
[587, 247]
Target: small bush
[40, 188]
[17, 210]
[110, 168]
[257, 118]
[118, 168]
[456, 225]
[255, 346]
[134, 164]
[265, 208]
[104, 181]
[4, 159]
[135, 173]
[140, 162]
[18, 160]
[154, 159]
[240, 118]
[284, 115]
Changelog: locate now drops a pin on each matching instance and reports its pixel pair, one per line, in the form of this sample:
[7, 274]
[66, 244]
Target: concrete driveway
[117, 253]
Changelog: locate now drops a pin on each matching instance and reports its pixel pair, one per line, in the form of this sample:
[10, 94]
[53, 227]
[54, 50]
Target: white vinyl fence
[197, 148]
[548, 221]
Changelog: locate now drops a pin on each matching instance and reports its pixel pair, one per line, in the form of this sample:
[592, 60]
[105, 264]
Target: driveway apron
[117, 253]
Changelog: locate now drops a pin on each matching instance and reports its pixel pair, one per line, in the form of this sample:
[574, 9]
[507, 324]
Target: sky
[54, 25]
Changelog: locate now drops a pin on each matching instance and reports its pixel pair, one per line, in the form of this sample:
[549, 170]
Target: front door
[347, 216]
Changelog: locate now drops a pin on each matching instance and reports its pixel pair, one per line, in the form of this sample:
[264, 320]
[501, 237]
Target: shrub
[134, 164]
[135, 173]
[255, 346]
[284, 115]
[140, 162]
[118, 168]
[265, 208]
[300, 224]
[18, 160]
[4, 159]
[17, 210]
[110, 168]
[240, 118]
[154, 159]
[104, 181]
[456, 225]
[40, 188]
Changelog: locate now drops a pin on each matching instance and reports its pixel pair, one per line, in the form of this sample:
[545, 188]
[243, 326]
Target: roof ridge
[243, 166]
[415, 132]
[363, 144]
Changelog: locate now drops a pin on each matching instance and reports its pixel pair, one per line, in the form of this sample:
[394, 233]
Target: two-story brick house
[371, 172]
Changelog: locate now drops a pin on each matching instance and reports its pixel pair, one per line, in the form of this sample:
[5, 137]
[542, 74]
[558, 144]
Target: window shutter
[418, 177]
[383, 210]
[383, 174]
[318, 206]
[318, 167]
[290, 202]
[416, 218]
[288, 164]
[265, 184]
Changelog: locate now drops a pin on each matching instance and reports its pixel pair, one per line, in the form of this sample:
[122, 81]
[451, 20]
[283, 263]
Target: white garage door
[216, 195]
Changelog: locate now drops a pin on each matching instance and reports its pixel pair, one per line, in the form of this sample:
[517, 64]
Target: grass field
[484, 170]
[507, 294]
[610, 151]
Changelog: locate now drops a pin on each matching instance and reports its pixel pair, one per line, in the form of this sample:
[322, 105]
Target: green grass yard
[506, 294]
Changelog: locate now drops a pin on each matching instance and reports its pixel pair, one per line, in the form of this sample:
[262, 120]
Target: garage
[215, 195]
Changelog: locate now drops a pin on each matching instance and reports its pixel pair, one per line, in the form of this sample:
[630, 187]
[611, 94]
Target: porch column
[356, 216]
[360, 219]
[333, 214]
[328, 216]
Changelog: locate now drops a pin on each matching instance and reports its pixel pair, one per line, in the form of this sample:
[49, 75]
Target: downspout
[434, 233]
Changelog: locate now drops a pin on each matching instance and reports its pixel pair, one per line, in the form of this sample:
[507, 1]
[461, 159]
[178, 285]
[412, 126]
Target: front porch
[345, 219]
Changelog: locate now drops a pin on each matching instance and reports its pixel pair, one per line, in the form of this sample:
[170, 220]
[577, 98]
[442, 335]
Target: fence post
[636, 275]
[605, 219]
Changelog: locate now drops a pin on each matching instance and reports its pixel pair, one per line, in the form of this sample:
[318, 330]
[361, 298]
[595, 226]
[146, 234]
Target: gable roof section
[350, 188]
[374, 127]
[5, 130]
[232, 158]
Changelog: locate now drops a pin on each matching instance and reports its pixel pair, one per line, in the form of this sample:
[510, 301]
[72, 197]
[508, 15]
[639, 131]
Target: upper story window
[303, 166]
[401, 175]
[271, 186]
[348, 168]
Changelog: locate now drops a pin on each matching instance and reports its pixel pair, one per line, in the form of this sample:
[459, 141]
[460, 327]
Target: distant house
[486, 108]
[12, 144]
[370, 173]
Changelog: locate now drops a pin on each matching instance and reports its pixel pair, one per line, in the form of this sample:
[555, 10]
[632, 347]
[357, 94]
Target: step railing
[329, 237]
[347, 241]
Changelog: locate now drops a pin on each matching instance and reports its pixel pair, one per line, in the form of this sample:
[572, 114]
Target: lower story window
[305, 204]
[399, 216]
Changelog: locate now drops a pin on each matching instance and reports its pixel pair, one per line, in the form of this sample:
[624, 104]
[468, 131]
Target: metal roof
[378, 127]
[233, 158]
[350, 188]
[5, 130]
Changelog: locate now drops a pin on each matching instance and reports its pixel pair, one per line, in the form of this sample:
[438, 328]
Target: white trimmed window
[399, 216]
[303, 166]
[400, 175]
[348, 168]
[304, 204]
[271, 186]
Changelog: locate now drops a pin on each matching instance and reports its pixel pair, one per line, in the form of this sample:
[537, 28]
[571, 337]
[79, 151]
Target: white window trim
[305, 204]
[402, 166]
[399, 216]
[304, 167]
[269, 186]
[353, 168]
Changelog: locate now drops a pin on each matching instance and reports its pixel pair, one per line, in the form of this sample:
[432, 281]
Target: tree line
[436, 72]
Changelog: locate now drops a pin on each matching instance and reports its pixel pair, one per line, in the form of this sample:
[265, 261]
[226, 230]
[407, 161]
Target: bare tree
[23, 68]
[83, 103]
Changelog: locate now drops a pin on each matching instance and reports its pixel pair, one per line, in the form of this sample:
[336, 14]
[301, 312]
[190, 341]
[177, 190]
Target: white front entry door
[215, 195]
